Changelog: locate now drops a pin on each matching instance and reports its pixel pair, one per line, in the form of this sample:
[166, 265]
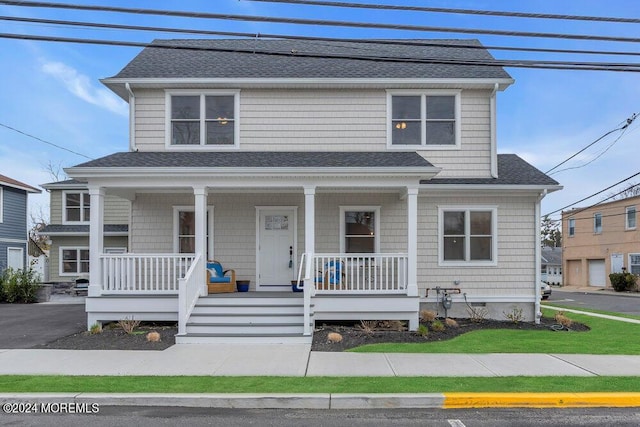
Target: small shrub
[478, 314]
[622, 282]
[334, 337]
[95, 329]
[437, 326]
[153, 336]
[422, 330]
[128, 324]
[451, 323]
[392, 325]
[515, 315]
[368, 326]
[19, 286]
[563, 320]
[428, 315]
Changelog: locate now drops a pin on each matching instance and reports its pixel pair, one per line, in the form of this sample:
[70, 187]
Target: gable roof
[512, 170]
[14, 183]
[551, 256]
[66, 184]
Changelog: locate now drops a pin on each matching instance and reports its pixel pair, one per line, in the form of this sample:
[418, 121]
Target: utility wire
[46, 142]
[319, 22]
[405, 42]
[454, 11]
[623, 127]
[554, 65]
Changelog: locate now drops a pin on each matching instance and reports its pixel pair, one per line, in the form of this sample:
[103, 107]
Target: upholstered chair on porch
[332, 276]
[218, 279]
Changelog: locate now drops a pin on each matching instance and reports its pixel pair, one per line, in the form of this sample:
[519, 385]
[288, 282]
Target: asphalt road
[28, 325]
[617, 303]
[151, 417]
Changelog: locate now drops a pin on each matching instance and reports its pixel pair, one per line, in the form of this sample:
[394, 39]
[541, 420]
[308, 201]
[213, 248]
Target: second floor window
[77, 207]
[597, 223]
[630, 222]
[572, 227]
[424, 120]
[203, 120]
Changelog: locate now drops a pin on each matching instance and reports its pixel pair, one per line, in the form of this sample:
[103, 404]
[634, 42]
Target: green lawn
[97, 384]
[605, 337]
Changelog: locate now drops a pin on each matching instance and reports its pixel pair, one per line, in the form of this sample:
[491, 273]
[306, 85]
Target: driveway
[616, 303]
[28, 325]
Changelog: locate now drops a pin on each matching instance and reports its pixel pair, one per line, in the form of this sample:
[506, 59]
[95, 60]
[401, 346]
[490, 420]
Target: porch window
[597, 223]
[359, 229]
[184, 223]
[203, 119]
[424, 119]
[634, 263]
[467, 236]
[74, 261]
[630, 218]
[77, 206]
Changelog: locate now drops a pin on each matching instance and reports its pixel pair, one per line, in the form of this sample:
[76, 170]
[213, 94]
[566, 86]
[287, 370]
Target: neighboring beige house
[366, 169]
[69, 229]
[600, 240]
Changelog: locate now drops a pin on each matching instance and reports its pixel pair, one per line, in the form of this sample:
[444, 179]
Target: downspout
[538, 255]
[494, 142]
[132, 121]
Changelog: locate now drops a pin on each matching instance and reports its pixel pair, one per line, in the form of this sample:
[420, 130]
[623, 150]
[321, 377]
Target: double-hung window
[572, 227]
[430, 119]
[597, 223]
[634, 263]
[630, 218]
[467, 236]
[184, 223]
[202, 119]
[77, 206]
[359, 229]
[74, 261]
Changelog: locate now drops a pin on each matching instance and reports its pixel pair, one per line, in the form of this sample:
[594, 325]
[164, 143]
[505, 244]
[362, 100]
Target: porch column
[412, 241]
[200, 208]
[309, 219]
[96, 239]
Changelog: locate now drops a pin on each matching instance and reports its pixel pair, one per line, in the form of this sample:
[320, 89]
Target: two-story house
[68, 231]
[600, 240]
[14, 233]
[368, 170]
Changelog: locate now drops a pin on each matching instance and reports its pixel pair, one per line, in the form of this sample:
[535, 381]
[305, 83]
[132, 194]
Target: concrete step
[245, 329]
[197, 338]
[248, 309]
[242, 318]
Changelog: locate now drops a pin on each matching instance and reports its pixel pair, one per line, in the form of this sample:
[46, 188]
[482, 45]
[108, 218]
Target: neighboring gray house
[552, 265]
[366, 169]
[68, 230]
[14, 233]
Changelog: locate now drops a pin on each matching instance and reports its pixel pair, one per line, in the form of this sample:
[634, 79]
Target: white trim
[202, 93]
[456, 93]
[14, 248]
[6, 240]
[626, 217]
[84, 194]
[493, 111]
[259, 210]
[499, 187]
[1, 205]
[61, 271]
[494, 235]
[376, 225]
[176, 218]
[132, 118]
[115, 250]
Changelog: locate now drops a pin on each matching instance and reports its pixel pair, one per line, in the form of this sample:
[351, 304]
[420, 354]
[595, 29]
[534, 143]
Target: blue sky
[52, 90]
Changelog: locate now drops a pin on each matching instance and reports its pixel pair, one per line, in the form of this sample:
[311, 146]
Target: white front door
[276, 248]
[617, 263]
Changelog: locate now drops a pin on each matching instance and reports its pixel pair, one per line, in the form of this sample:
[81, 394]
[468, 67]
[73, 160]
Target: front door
[276, 252]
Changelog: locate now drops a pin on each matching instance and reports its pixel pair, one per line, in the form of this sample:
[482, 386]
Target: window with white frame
[359, 229]
[597, 223]
[184, 220]
[630, 218]
[634, 263]
[572, 227]
[467, 235]
[77, 206]
[74, 261]
[424, 119]
[202, 119]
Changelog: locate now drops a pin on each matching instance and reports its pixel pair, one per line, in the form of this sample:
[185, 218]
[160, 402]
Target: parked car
[545, 290]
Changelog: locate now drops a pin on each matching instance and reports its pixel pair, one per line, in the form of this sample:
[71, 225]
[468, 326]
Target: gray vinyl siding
[14, 215]
[329, 120]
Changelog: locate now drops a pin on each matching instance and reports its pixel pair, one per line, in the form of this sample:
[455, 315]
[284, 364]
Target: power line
[46, 142]
[404, 42]
[554, 65]
[623, 127]
[299, 21]
[455, 11]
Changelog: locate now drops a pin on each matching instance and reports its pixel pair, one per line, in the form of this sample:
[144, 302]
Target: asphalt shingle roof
[275, 58]
[82, 228]
[258, 159]
[512, 170]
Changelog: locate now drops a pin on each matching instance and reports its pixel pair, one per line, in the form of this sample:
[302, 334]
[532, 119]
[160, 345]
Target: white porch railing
[360, 273]
[143, 273]
[189, 292]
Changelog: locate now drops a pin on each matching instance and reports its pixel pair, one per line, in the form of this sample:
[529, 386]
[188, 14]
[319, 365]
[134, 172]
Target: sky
[52, 90]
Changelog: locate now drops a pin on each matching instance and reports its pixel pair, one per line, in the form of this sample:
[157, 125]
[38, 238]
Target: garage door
[596, 272]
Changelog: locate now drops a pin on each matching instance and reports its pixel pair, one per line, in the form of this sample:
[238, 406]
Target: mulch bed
[353, 335]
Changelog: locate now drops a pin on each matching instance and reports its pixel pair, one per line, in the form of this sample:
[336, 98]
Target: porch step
[197, 338]
[248, 309]
[244, 318]
[245, 328]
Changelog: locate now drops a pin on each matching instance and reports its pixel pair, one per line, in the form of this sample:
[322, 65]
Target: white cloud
[80, 85]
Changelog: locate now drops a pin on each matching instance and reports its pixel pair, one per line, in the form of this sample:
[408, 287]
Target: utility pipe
[494, 139]
[538, 255]
[132, 118]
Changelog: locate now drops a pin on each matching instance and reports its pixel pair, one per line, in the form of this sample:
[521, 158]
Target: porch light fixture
[401, 125]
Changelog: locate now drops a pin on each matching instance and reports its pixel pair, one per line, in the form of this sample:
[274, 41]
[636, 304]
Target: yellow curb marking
[540, 400]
